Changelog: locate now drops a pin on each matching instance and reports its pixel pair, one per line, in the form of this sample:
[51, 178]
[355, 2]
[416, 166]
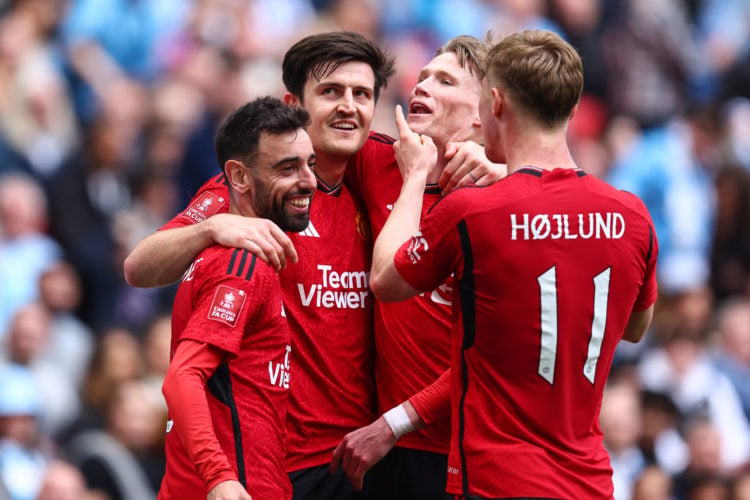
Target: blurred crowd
[107, 115]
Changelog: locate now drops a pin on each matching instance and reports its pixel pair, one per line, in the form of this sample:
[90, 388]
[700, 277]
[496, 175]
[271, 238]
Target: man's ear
[573, 111]
[498, 101]
[291, 99]
[238, 176]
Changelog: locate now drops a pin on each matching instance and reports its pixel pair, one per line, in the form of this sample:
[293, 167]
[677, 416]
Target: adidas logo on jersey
[310, 231]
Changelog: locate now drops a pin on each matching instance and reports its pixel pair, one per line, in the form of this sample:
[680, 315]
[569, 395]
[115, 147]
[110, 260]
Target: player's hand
[466, 164]
[361, 449]
[416, 153]
[259, 236]
[228, 490]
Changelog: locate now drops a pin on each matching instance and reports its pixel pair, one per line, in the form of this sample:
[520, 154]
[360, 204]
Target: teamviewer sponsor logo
[278, 373]
[336, 289]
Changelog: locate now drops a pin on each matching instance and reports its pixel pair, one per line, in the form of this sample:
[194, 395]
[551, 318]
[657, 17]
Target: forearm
[184, 390]
[162, 257]
[433, 402]
[402, 224]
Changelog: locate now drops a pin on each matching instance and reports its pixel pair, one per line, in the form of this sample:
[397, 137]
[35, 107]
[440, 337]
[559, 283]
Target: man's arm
[184, 390]
[416, 155]
[366, 446]
[638, 324]
[162, 257]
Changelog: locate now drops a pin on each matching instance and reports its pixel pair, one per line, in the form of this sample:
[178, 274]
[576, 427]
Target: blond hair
[541, 71]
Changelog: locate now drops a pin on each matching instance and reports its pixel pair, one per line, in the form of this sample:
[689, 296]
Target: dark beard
[266, 207]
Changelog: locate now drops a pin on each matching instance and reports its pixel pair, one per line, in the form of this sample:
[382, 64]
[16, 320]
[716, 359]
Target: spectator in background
[660, 440]
[124, 459]
[650, 55]
[682, 369]
[63, 481]
[732, 355]
[85, 196]
[704, 472]
[730, 253]
[156, 353]
[25, 451]
[71, 342]
[654, 483]
[38, 125]
[620, 423]
[26, 250]
[27, 344]
[116, 358]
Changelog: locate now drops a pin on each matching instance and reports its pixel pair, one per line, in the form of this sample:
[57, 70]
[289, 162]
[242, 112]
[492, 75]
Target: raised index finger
[403, 127]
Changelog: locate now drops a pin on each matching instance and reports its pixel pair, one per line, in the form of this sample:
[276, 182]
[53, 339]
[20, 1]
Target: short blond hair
[470, 51]
[541, 71]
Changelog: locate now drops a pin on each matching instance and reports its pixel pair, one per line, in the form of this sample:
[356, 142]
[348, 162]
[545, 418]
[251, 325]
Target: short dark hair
[238, 135]
[321, 54]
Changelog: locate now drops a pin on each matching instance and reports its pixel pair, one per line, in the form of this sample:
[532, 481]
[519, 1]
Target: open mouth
[417, 108]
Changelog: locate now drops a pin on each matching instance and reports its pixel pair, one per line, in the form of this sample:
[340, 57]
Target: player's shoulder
[237, 263]
[217, 183]
[623, 197]
[377, 145]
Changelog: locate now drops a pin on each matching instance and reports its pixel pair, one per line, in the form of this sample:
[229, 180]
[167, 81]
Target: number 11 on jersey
[548, 350]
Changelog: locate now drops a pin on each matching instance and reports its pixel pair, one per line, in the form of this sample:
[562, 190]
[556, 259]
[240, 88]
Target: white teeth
[344, 126]
[300, 202]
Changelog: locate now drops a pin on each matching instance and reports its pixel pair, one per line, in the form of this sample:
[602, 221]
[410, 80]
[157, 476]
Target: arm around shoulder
[160, 258]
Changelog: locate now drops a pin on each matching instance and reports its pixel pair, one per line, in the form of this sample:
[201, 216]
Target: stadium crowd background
[107, 115]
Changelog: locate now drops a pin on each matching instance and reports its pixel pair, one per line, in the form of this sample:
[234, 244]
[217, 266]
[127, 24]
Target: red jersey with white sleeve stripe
[412, 336]
[328, 306]
[232, 301]
[548, 267]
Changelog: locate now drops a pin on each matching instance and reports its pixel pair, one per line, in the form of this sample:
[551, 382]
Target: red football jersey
[413, 336]
[328, 306]
[232, 300]
[548, 267]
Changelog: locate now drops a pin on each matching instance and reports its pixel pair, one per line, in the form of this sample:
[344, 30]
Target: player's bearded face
[275, 206]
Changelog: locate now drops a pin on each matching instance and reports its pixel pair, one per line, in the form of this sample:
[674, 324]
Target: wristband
[398, 420]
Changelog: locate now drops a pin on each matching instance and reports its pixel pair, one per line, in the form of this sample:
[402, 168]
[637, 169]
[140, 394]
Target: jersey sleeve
[212, 198]
[185, 391]
[647, 294]
[433, 403]
[427, 259]
[227, 302]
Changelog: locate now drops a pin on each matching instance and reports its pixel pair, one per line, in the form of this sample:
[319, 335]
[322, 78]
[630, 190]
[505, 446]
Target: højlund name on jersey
[596, 225]
[342, 290]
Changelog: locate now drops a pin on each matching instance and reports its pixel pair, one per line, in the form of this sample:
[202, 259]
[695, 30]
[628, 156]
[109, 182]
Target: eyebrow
[286, 160]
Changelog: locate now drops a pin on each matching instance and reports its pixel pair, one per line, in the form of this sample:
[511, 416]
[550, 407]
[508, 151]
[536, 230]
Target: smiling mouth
[299, 202]
[344, 126]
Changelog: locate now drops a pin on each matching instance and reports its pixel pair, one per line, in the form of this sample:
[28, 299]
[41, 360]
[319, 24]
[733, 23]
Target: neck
[330, 169]
[539, 148]
[434, 176]
[241, 204]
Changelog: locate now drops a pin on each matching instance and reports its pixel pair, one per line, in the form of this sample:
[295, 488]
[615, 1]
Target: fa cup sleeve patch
[204, 207]
[227, 305]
